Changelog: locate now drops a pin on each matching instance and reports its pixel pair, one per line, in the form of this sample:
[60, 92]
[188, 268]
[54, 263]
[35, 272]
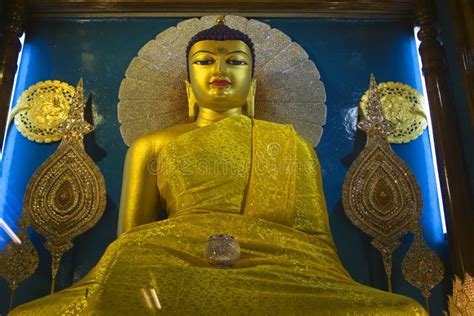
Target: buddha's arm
[139, 199]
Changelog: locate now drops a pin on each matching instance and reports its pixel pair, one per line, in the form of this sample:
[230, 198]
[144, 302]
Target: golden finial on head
[220, 19]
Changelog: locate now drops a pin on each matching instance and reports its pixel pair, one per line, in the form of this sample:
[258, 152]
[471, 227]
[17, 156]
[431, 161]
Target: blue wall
[345, 52]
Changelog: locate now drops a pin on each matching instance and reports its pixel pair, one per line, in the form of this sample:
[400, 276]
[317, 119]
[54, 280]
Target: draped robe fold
[257, 181]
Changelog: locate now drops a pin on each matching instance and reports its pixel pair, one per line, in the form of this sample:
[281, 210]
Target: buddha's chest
[207, 157]
[206, 170]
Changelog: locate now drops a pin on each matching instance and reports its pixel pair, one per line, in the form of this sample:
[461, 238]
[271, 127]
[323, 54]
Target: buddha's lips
[220, 83]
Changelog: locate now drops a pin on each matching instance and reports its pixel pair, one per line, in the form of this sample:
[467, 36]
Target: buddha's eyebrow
[237, 52]
[202, 51]
[212, 53]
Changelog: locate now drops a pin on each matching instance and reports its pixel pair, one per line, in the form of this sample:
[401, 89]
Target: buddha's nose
[220, 68]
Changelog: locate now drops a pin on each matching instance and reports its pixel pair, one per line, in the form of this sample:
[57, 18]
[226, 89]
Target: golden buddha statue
[222, 173]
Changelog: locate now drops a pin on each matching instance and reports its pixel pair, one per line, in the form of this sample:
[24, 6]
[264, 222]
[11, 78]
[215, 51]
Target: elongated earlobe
[192, 105]
[249, 109]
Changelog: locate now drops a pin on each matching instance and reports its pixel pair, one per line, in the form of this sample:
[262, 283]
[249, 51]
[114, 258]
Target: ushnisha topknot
[220, 32]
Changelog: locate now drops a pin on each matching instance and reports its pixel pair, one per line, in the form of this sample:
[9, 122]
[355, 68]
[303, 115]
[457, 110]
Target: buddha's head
[220, 64]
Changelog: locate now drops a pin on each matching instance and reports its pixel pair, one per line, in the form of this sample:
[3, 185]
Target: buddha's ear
[192, 105]
[249, 108]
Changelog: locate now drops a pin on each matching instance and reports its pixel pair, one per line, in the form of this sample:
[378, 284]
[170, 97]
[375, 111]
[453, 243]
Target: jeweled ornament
[380, 194]
[222, 250]
[422, 267]
[18, 261]
[66, 195]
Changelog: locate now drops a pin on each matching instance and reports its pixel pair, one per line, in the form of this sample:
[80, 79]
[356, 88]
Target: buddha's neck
[208, 116]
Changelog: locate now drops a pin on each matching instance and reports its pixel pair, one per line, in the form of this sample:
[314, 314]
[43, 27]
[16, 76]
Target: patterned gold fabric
[256, 181]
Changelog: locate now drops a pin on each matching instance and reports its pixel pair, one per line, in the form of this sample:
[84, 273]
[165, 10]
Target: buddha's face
[220, 74]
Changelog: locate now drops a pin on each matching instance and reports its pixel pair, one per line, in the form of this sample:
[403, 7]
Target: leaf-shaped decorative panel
[384, 199]
[66, 195]
[380, 194]
[18, 261]
[422, 267]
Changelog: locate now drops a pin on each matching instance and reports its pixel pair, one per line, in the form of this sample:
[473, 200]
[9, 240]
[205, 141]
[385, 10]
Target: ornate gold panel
[382, 197]
[403, 107]
[421, 267]
[66, 195]
[41, 109]
[380, 194]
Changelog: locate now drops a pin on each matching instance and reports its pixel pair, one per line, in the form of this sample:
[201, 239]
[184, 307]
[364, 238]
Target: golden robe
[257, 181]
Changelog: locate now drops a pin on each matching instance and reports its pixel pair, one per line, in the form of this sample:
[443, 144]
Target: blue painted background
[99, 50]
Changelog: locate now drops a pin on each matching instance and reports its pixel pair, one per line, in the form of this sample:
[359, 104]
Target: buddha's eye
[204, 62]
[236, 62]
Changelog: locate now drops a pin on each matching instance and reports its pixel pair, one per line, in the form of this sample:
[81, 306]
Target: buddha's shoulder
[270, 123]
[286, 128]
[275, 125]
[157, 140]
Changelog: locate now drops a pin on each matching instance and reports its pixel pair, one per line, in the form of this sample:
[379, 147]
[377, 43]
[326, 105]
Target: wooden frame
[451, 164]
[462, 12]
[346, 8]
[10, 46]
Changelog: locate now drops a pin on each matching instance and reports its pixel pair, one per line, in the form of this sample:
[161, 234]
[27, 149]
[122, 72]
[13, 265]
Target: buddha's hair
[220, 32]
